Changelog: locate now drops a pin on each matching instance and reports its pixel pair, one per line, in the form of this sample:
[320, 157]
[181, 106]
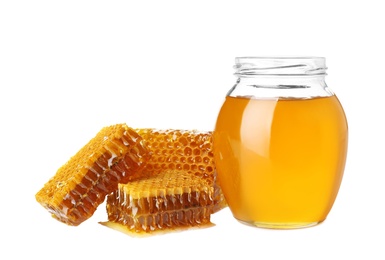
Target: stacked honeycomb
[113, 156]
[178, 185]
[190, 151]
[186, 150]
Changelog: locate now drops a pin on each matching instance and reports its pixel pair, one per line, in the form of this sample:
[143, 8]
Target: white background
[68, 68]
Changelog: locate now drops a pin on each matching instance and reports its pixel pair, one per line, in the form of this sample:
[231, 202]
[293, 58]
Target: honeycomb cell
[197, 151]
[198, 159]
[187, 151]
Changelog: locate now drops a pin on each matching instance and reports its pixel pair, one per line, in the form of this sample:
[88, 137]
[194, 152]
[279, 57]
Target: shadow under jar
[280, 143]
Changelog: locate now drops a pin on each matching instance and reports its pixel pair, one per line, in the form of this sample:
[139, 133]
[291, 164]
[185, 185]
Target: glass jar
[280, 142]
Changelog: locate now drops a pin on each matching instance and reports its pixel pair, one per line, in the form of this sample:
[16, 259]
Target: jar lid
[280, 66]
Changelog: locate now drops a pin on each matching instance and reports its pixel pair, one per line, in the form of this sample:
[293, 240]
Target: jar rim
[280, 65]
[280, 57]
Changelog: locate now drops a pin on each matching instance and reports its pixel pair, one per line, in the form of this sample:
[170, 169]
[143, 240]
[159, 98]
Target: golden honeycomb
[113, 156]
[188, 151]
[168, 200]
[176, 188]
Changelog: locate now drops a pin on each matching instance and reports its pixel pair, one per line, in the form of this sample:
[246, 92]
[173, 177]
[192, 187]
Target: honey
[280, 161]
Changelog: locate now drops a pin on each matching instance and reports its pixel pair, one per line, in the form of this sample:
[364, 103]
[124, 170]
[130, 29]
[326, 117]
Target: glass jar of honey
[280, 142]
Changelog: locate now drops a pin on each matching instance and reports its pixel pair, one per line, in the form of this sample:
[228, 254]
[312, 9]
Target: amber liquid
[280, 162]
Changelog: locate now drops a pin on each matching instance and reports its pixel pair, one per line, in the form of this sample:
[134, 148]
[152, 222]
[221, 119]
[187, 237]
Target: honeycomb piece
[168, 200]
[189, 151]
[113, 156]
